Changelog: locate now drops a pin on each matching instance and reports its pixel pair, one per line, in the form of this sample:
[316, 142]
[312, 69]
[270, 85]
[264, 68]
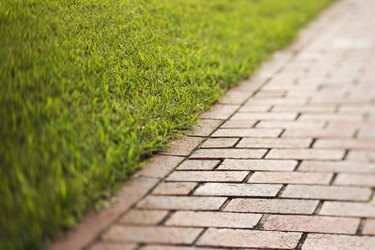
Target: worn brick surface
[319, 133]
[183, 146]
[337, 166]
[205, 127]
[306, 154]
[179, 202]
[348, 209]
[265, 116]
[227, 189]
[220, 111]
[208, 176]
[147, 217]
[294, 177]
[174, 188]
[248, 239]
[347, 144]
[261, 165]
[198, 165]
[291, 124]
[114, 246]
[239, 124]
[338, 242]
[355, 180]
[274, 143]
[369, 227]
[159, 166]
[220, 143]
[228, 153]
[213, 219]
[250, 132]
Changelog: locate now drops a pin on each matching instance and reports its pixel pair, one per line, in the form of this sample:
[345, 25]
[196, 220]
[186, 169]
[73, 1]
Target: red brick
[208, 176]
[220, 142]
[213, 219]
[348, 209]
[180, 202]
[369, 227]
[317, 224]
[336, 166]
[291, 124]
[174, 188]
[258, 165]
[345, 143]
[234, 238]
[319, 133]
[339, 242]
[239, 124]
[355, 180]
[327, 192]
[292, 177]
[273, 206]
[198, 165]
[305, 154]
[279, 116]
[171, 235]
[146, 217]
[250, 132]
[246, 190]
[233, 153]
[274, 143]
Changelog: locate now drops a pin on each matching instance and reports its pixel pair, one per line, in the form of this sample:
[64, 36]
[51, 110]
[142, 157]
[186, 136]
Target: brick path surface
[286, 160]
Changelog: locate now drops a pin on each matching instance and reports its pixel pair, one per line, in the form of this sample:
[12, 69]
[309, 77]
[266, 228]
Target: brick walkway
[285, 160]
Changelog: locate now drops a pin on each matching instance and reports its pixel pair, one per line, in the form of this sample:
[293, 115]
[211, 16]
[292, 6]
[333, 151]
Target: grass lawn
[90, 88]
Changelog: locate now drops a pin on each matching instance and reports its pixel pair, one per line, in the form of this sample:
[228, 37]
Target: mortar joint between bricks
[299, 162]
[265, 154]
[312, 142]
[225, 204]
[318, 208]
[261, 222]
[167, 217]
[283, 187]
[332, 179]
[247, 177]
[198, 236]
[301, 241]
[346, 153]
[360, 226]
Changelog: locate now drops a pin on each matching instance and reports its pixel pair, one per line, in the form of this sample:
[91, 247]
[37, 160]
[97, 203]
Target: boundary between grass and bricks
[161, 165]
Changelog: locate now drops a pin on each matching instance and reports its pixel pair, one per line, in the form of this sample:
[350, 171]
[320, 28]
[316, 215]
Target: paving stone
[248, 238]
[208, 176]
[239, 124]
[166, 247]
[205, 127]
[348, 209]
[235, 97]
[305, 108]
[367, 133]
[345, 143]
[183, 146]
[113, 246]
[291, 124]
[273, 206]
[180, 202]
[365, 156]
[220, 112]
[279, 116]
[306, 154]
[355, 180]
[250, 132]
[338, 242]
[198, 165]
[255, 108]
[213, 219]
[258, 165]
[336, 166]
[220, 143]
[159, 166]
[245, 190]
[317, 224]
[369, 227]
[174, 188]
[293, 177]
[150, 234]
[228, 153]
[330, 117]
[274, 143]
[327, 192]
[146, 217]
[319, 133]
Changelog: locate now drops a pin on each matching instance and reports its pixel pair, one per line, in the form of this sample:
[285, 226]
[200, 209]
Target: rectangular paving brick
[235, 97]
[198, 165]
[339, 242]
[274, 143]
[314, 224]
[245, 190]
[145, 217]
[306, 154]
[183, 146]
[305, 108]
[336, 166]
[291, 124]
[273, 206]
[365, 156]
[355, 180]
[279, 116]
[348, 209]
[327, 192]
[205, 127]
[180, 202]
[330, 117]
[369, 227]
[261, 165]
[174, 188]
[208, 176]
[159, 166]
[213, 219]
[249, 132]
[220, 143]
[239, 124]
[232, 153]
[319, 133]
[235, 238]
[255, 108]
[345, 143]
[113, 246]
[220, 111]
[291, 177]
[171, 247]
[149, 234]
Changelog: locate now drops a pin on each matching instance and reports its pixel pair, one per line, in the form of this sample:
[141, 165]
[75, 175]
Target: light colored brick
[327, 192]
[338, 242]
[274, 143]
[213, 219]
[250, 132]
[174, 188]
[208, 176]
[348, 209]
[367, 133]
[233, 153]
[330, 117]
[255, 108]
[239, 124]
[220, 111]
[319, 133]
[246, 190]
[279, 116]
[235, 97]
[220, 143]
[336, 166]
[180, 202]
[304, 108]
[291, 177]
[315, 224]
[235, 238]
[198, 165]
[291, 124]
[205, 127]
[355, 180]
[306, 154]
[273, 206]
[149, 234]
[345, 143]
[173, 247]
[113, 246]
[369, 227]
[183, 146]
[365, 156]
[258, 165]
[159, 166]
[146, 217]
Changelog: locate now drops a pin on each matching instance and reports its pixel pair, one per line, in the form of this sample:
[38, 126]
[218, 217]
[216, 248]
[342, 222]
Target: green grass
[90, 88]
